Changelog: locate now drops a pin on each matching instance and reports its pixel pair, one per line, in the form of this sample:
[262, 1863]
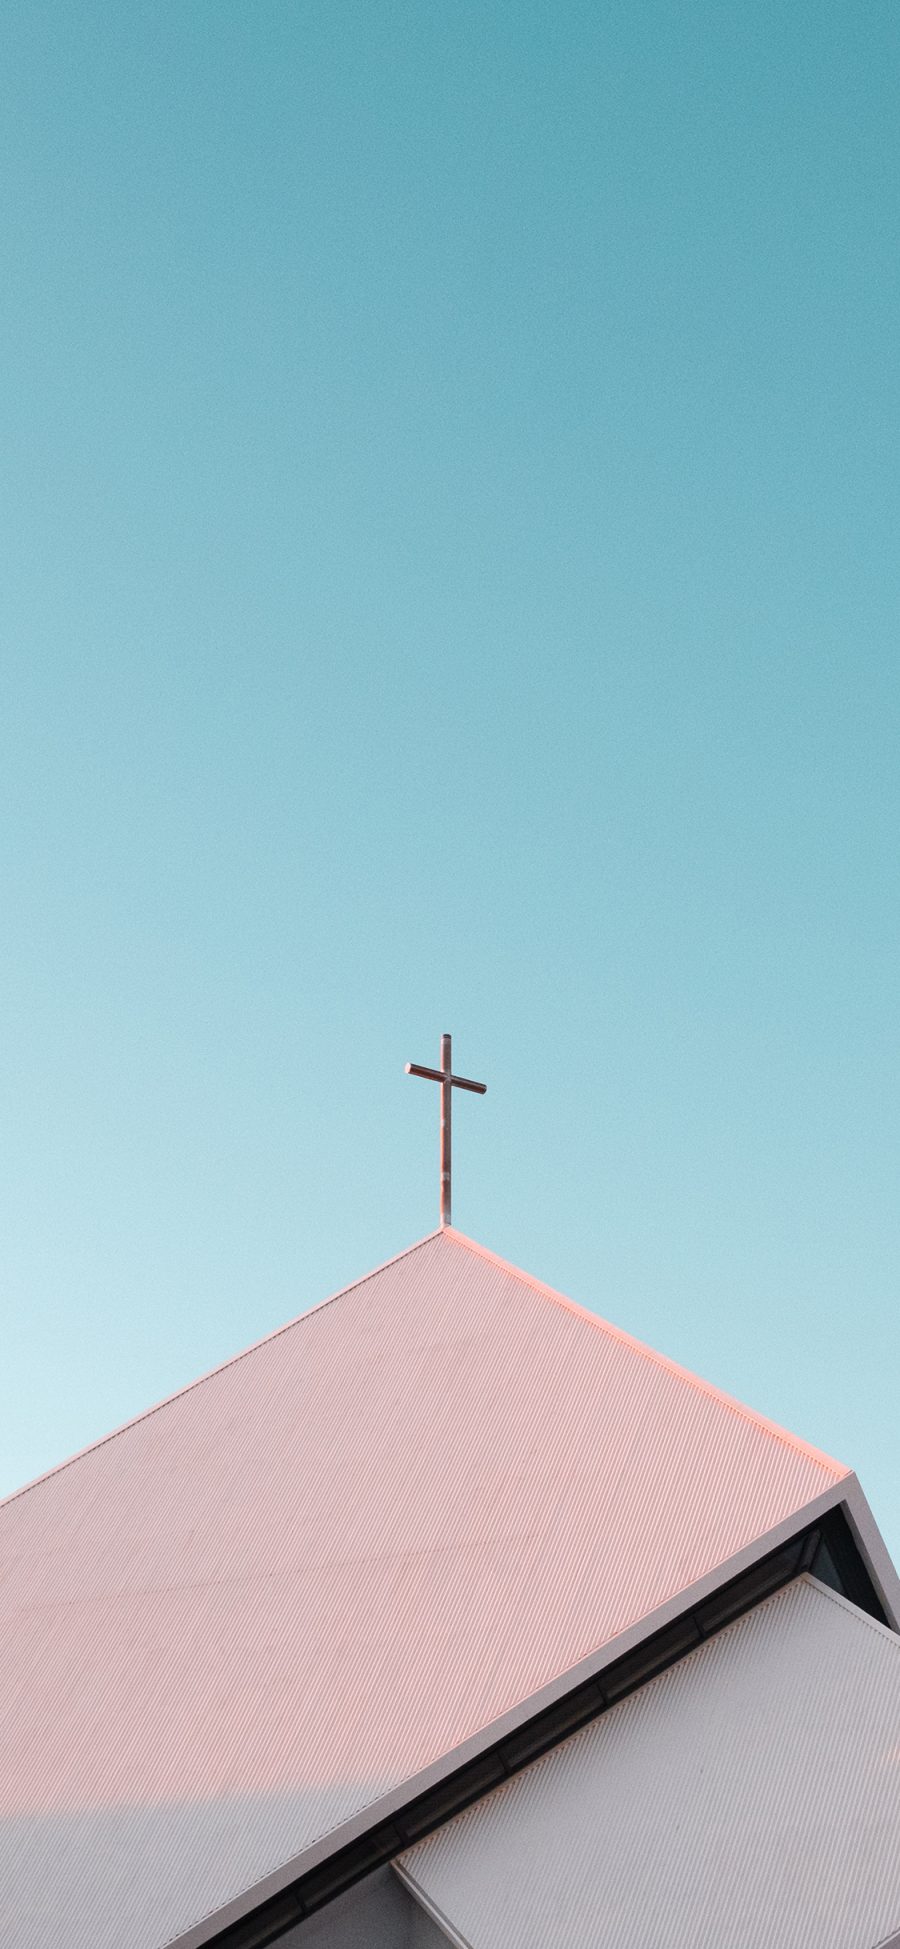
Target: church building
[448, 1614]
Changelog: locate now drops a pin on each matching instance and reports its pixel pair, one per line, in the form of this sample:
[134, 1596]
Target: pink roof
[254, 1611]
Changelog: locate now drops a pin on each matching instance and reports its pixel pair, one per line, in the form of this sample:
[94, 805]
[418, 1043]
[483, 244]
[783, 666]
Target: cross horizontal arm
[440, 1076]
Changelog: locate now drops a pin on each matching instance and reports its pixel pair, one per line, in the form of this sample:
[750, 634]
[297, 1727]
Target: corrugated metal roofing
[255, 1610]
[374, 1914]
[749, 1796]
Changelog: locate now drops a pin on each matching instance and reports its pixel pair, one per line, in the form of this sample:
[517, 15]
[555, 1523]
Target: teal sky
[450, 581]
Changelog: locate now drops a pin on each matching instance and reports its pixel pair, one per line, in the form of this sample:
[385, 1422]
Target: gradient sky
[450, 581]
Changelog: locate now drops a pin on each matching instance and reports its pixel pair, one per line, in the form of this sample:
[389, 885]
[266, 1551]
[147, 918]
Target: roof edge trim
[435, 1914]
[872, 1548]
[233, 1360]
[838, 1470]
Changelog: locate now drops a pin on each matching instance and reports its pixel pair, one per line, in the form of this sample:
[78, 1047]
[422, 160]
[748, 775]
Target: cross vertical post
[448, 1083]
[446, 1107]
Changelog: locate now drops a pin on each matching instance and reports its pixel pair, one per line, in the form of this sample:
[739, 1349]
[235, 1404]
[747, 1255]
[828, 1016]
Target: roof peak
[452, 1237]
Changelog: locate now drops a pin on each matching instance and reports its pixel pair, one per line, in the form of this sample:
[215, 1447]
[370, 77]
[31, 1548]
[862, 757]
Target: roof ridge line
[211, 1373]
[836, 1469]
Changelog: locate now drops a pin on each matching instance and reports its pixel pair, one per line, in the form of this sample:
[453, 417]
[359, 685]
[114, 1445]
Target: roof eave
[845, 1493]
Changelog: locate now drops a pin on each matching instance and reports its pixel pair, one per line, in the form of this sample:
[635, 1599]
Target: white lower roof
[749, 1796]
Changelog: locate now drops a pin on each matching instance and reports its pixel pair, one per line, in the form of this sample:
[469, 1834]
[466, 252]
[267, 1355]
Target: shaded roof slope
[263, 1605]
[750, 1795]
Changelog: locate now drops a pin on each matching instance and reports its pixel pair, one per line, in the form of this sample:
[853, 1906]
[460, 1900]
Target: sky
[449, 582]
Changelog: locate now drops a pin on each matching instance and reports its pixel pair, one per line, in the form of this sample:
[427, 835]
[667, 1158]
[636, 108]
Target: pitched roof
[750, 1795]
[254, 1612]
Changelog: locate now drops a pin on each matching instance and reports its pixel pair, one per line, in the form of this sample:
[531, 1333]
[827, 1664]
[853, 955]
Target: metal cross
[448, 1083]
